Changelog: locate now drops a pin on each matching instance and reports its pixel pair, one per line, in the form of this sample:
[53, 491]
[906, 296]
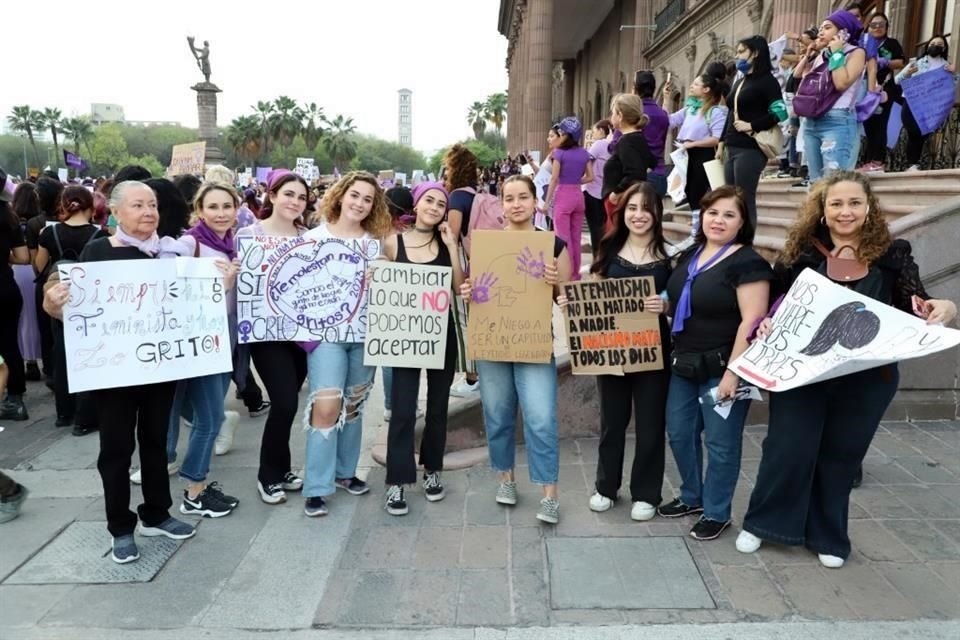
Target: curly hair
[874, 234]
[461, 167]
[378, 224]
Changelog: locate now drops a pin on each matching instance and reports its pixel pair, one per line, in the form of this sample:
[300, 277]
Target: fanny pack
[842, 269]
[699, 367]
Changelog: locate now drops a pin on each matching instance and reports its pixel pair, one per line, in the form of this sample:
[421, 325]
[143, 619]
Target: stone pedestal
[207, 113]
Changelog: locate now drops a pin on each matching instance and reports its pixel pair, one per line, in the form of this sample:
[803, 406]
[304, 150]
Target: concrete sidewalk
[469, 568]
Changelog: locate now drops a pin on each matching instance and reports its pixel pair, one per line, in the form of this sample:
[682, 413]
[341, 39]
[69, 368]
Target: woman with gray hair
[137, 414]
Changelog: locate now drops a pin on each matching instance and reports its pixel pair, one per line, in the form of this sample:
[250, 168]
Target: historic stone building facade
[571, 56]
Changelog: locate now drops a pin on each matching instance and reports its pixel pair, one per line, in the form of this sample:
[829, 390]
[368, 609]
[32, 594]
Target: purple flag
[894, 125]
[74, 161]
[930, 96]
[263, 173]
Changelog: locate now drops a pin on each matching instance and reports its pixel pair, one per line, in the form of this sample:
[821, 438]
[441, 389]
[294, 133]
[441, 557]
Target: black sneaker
[214, 489]
[272, 493]
[13, 409]
[292, 482]
[63, 421]
[315, 506]
[261, 410]
[83, 430]
[396, 505]
[432, 487]
[677, 509]
[858, 478]
[32, 372]
[354, 486]
[707, 529]
[207, 504]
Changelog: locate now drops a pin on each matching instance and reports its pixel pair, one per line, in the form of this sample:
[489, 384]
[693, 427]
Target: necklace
[420, 246]
[419, 230]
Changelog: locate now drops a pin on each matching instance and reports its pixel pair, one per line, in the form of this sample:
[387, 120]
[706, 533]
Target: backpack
[816, 94]
[486, 212]
[64, 259]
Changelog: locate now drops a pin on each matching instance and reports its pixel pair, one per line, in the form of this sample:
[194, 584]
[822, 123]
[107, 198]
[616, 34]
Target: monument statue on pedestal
[206, 102]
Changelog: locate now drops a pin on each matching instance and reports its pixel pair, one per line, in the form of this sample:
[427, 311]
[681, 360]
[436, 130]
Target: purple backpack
[816, 94]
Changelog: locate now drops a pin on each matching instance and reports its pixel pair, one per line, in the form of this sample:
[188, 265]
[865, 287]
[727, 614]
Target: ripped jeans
[831, 143]
[335, 370]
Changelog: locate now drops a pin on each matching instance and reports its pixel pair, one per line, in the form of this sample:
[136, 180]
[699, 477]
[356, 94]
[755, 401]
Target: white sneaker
[600, 502]
[137, 478]
[913, 167]
[464, 389]
[747, 542]
[224, 440]
[830, 562]
[387, 414]
[642, 511]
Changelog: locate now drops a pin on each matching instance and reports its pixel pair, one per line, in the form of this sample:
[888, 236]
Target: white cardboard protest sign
[823, 330]
[302, 289]
[408, 316]
[137, 322]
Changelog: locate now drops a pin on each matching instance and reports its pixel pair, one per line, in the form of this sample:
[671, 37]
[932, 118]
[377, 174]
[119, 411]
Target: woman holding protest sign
[532, 386]
[429, 242]
[818, 434]
[634, 248]
[935, 57]
[137, 414]
[718, 292]
[282, 365]
[354, 209]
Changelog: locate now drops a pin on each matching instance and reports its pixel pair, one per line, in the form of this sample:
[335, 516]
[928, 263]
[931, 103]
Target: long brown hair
[461, 167]
[874, 234]
[378, 224]
[611, 243]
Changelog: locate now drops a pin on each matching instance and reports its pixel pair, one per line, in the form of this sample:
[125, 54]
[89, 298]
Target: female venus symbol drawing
[321, 286]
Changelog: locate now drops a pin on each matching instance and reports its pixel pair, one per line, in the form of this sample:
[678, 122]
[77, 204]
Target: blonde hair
[205, 190]
[630, 108]
[378, 224]
[219, 173]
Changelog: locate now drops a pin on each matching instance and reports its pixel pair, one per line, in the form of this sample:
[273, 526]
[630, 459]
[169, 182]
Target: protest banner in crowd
[144, 321]
[408, 316]
[511, 305]
[262, 174]
[302, 289]
[823, 330]
[608, 331]
[187, 159]
[930, 96]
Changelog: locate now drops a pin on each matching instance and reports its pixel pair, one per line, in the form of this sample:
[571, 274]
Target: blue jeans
[534, 387]
[333, 451]
[387, 386]
[690, 425]
[831, 143]
[202, 400]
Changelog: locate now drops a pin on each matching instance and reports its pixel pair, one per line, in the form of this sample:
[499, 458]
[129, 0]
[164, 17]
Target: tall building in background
[405, 117]
[101, 113]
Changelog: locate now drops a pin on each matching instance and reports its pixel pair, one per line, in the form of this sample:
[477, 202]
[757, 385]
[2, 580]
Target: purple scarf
[205, 235]
[150, 246]
[684, 308]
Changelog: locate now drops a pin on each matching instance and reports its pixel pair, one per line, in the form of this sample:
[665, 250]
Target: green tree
[108, 149]
[374, 154]
[24, 119]
[243, 137]
[79, 130]
[486, 153]
[263, 112]
[13, 153]
[340, 143]
[286, 121]
[313, 121]
[156, 140]
[148, 162]
[476, 118]
[495, 110]
[52, 119]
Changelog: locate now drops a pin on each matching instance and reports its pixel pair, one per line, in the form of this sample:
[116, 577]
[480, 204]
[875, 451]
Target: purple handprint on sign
[481, 288]
[528, 264]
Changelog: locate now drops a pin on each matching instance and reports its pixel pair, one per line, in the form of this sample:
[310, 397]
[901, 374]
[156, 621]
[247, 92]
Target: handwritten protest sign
[302, 289]
[511, 310]
[188, 159]
[607, 328]
[408, 316]
[823, 330]
[930, 96]
[144, 321]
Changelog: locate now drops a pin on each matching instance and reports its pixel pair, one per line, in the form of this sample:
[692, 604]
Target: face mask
[693, 104]
[935, 51]
[743, 66]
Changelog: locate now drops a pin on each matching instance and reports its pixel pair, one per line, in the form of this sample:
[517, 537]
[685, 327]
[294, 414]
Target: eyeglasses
[877, 25]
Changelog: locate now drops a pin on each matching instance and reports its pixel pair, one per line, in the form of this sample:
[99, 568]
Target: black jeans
[8, 485]
[915, 139]
[816, 441]
[596, 219]
[875, 129]
[645, 395]
[250, 394]
[742, 168]
[46, 332]
[78, 406]
[130, 416]
[401, 466]
[283, 368]
[9, 327]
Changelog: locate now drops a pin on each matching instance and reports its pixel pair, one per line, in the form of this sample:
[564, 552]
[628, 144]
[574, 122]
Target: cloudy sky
[350, 57]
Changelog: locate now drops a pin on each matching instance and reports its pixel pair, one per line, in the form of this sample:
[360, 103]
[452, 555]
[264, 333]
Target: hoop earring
[823, 220]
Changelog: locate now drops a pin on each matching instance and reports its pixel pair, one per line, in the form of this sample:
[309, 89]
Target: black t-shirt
[35, 226]
[11, 237]
[462, 200]
[660, 271]
[630, 161]
[72, 240]
[715, 314]
[101, 250]
[890, 49]
[757, 92]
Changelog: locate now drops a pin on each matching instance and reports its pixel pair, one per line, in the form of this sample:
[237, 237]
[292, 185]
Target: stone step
[920, 187]
[786, 209]
[766, 245]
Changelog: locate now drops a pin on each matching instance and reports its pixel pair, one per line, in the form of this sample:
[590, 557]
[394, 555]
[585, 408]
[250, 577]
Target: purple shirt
[656, 132]
[600, 154]
[573, 164]
[693, 126]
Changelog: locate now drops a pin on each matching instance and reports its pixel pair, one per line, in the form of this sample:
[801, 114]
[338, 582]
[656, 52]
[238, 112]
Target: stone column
[569, 78]
[792, 15]
[539, 21]
[512, 97]
[207, 116]
[642, 37]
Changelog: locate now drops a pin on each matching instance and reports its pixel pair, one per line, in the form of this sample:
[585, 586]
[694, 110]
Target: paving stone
[949, 572]
[68, 453]
[874, 542]
[526, 549]
[587, 617]
[925, 541]
[531, 598]
[437, 548]
[804, 587]
[575, 478]
[865, 591]
[780, 554]
[887, 472]
[751, 591]
[484, 548]
[881, 502]
[429, 598]
[950, 528]
[375, 598]
[892, 446]
[483, 509]
[389, 548]
[660, 574]
[931, 596]
[484, 598]
[25, 606]
[926, 469]
[39, 522]
[335, 597]
[724, 553]
[648, 617]
[949, 491]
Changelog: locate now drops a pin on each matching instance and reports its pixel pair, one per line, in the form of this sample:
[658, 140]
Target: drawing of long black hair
[851, 324]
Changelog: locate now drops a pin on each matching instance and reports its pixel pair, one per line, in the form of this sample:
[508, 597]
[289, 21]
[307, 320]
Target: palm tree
[476, 118]
[339, 141]
[495, 110]
[24, 119]
[287, 120]
[53, 118]
[77, 129]
[263, 112]
[312, 131]
[243, 136]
